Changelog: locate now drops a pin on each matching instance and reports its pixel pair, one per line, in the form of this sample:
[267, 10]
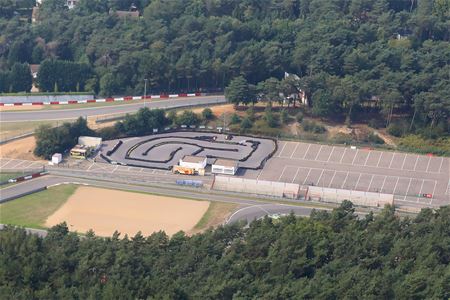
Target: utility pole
[145, 90]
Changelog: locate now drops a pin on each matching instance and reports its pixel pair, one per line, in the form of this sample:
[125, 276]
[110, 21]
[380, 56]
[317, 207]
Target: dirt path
[105, 211]
[19, 149]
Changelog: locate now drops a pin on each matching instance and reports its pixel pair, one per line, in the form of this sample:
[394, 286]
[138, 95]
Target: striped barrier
[127, 98]
[27, 177]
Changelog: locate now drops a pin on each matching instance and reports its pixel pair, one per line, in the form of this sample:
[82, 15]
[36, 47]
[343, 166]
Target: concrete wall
[32, 98]
[356, 197]
[258, 187]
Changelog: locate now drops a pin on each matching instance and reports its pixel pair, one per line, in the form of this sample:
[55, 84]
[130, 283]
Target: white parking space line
[295, 176]
[332, 178]
[379, 159]
[8, 162]
[320, 176]
[404, 160]
[284, 145]
[345, 180]
[4, 162]
[281, 175]
[357, 181]
[295, 149]
[345, 151]
[306, 178]
[306, 151]
[367, 158]
[20, 164]
[435, 183]
[371, 179]
[409, 185]
[415, 165]
[447, 192]
[357, 150]
[90, 166]
[113, 170]
[331, 153]
[392, 159]
[442, 162]
[428, 165]
[421, 187]
[395, 187]
[318, 152]
[382, 186]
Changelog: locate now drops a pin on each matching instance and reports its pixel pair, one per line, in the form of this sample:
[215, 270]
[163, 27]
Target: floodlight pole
[145, 90]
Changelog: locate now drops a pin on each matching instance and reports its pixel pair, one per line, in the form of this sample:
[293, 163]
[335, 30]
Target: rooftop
[226, 162]
[193, 159]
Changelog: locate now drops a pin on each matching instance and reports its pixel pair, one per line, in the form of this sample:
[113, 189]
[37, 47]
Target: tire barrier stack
[114, 149]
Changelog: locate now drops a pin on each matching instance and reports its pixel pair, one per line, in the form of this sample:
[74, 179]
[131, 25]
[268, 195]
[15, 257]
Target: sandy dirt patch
[217, 110]
[21, 107]
[105, 211]
[19, 149]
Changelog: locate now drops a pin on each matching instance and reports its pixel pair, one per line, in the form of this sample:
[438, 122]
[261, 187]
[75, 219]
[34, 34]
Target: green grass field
[32, 210]
[215, 215]
[7, 176]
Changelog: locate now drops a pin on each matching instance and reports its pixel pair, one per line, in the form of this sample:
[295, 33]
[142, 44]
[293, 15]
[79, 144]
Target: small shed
[224, 166]
[194, 162]
[56, 158]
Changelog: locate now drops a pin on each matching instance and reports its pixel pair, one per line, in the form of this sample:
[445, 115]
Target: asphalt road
[251, 209]
[73, 113]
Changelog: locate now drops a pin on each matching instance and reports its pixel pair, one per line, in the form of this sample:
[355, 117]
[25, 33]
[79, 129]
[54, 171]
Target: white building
[224, 166]
[90, 141]
[193, 162]
[56, 158]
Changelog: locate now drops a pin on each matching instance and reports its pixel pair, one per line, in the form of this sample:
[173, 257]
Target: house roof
[34, 68]
[226, 162]
[193, 159]
[127, 14]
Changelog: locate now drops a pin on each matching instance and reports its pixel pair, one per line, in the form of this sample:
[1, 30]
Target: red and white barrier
[127, 98]
[28, 177]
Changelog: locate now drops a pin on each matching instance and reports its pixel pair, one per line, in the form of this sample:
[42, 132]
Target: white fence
[356, 197]
[258, 187]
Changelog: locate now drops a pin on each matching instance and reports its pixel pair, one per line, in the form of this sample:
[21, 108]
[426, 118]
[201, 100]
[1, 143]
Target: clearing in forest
[105, 211]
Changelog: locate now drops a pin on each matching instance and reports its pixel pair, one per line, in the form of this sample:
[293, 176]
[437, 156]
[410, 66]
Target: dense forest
[331, 255]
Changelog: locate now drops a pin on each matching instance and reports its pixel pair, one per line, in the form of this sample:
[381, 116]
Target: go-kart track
[163, 151]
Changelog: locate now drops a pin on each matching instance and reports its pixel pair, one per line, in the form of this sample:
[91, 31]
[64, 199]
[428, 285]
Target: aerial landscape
[224, 149]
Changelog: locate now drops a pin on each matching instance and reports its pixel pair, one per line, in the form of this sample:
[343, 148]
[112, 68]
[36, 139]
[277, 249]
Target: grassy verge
[215, 215]
[32, 210]
[10, 129]
[6, 176]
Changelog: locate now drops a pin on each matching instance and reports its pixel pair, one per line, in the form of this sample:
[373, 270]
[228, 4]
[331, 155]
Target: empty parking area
[405, 175]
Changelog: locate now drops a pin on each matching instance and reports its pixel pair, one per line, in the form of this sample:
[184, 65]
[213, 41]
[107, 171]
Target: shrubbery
[312, 126]
[59, 139]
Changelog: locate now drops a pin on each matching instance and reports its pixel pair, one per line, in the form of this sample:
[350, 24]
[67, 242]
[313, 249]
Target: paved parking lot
[405, 175]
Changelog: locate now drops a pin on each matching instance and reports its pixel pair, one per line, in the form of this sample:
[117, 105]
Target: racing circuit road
[73, 113]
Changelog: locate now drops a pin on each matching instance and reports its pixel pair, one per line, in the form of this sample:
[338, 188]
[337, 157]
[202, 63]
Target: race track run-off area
[163, 151]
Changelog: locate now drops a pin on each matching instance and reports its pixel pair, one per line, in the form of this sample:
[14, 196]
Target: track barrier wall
[258, 187]
[368, 199]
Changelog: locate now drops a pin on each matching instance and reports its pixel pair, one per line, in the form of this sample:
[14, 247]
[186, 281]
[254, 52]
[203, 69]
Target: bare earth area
[19, 149]
[105, 211]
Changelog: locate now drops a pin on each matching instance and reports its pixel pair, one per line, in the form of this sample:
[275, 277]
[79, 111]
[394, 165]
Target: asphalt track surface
[164, 150]
[73, 113]
[253, 209]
